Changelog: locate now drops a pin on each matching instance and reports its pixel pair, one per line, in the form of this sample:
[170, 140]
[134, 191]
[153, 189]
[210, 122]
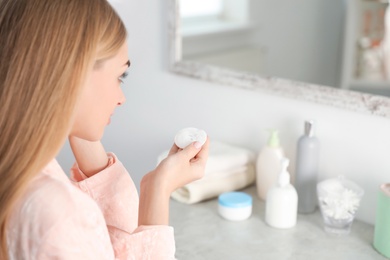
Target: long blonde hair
[46, 50]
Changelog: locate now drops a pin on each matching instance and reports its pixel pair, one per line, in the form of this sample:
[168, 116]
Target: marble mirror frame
[340, 98]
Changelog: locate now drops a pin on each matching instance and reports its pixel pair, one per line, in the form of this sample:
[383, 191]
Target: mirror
[329, 52]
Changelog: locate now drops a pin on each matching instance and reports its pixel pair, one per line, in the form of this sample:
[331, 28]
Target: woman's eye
[123, 76]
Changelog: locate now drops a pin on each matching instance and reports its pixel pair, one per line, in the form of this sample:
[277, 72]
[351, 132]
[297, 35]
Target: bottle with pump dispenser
[307, 169]
[268, 165]
[282, 201]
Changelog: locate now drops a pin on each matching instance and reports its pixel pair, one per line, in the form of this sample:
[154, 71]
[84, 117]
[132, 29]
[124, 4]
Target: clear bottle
[282, 201]
[306, 173]
[268, 165]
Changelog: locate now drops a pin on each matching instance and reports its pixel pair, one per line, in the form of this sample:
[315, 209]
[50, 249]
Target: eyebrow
[127, 63]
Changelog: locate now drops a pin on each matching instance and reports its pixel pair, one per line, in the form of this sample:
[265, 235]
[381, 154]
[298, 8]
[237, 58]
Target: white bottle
[282, 201]
[268, 165]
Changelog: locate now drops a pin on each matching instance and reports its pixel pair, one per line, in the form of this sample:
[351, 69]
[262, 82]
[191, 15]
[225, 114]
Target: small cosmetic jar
[235, 206]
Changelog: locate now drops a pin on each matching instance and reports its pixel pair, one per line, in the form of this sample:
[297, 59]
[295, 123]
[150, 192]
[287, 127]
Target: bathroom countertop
[201, 233]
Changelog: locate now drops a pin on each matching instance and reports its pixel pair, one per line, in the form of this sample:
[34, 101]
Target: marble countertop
[201, 233]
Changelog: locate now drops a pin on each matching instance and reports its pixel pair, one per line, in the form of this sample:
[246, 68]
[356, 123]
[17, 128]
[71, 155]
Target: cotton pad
[189, 135]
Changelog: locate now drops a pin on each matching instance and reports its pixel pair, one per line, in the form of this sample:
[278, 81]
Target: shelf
[364, 19]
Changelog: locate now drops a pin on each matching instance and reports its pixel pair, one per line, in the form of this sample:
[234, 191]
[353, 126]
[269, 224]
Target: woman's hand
[90, 156]
[182, 166]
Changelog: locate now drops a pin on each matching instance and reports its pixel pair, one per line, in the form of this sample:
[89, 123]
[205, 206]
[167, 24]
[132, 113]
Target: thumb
[191, 150]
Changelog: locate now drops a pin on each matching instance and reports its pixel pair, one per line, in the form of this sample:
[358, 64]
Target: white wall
[160, 103]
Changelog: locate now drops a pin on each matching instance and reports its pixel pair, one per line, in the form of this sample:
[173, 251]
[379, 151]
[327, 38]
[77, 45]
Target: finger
[191, 150]
[204, 152]
[174, 149]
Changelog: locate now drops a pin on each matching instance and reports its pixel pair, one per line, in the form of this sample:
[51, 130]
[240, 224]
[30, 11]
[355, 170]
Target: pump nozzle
[273, 141]
[284, 176]
[309, 128]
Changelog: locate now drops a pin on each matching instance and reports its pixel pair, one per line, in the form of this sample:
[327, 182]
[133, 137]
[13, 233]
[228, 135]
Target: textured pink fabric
[84, 218]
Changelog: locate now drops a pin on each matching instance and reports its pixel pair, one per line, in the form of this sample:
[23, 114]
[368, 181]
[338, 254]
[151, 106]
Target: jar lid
[235, 199]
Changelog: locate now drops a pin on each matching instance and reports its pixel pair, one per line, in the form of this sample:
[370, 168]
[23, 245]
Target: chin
[91, 136]
[94, 139]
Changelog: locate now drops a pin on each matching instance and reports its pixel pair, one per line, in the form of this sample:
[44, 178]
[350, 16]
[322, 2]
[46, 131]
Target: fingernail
[197, 145]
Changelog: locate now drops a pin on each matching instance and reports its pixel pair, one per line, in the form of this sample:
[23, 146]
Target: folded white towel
[226, 173]
[213, 185]
[222, 157]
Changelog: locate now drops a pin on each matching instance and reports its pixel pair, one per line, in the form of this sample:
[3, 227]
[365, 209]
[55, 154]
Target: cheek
[101, 104]
[86, 124]
[94, 110]
[103, 94]
[108, 100]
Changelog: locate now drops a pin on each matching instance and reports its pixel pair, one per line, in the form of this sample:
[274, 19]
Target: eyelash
[123, 76]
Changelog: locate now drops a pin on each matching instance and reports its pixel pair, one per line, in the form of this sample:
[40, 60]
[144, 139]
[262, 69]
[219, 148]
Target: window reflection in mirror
[332, 43]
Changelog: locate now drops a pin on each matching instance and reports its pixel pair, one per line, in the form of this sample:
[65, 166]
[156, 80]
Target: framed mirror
[328, 52]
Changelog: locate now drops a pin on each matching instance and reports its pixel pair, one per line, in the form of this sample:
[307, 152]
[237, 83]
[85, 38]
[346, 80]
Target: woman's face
[101, 95]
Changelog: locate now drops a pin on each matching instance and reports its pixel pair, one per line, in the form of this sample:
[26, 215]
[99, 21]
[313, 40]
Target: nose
[122, 98]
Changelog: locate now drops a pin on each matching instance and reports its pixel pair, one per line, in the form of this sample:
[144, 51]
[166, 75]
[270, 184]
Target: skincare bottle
[307, 169]
[282, 201]
[268, 165]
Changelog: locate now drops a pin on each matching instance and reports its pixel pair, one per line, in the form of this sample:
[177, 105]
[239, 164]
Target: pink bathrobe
[84, 218]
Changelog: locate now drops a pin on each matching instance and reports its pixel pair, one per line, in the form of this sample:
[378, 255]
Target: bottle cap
[273, 141]
[235, 199]
[235, 206]
[284, 176]
[309, 128]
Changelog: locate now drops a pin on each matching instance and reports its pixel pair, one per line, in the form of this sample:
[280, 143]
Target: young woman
[61, 67]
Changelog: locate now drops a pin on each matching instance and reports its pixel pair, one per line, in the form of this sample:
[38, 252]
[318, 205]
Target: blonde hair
[46, 50]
